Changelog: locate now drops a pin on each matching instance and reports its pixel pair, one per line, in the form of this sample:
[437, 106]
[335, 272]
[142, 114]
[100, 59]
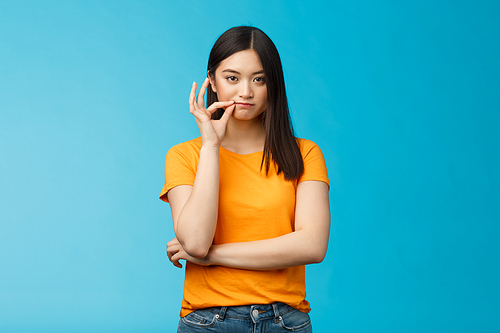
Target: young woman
[249, 201]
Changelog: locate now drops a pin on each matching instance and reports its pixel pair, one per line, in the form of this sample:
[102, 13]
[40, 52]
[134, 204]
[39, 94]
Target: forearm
[196, 223]
[306, 245]
[294, 249]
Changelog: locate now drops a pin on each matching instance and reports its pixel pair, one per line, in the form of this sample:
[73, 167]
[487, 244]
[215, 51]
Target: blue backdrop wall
[402, 97]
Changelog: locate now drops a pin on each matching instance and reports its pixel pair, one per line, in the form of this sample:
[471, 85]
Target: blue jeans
[262, 318]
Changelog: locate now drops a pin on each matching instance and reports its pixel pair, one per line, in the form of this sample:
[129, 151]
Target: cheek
[224, 91]
[263, 95]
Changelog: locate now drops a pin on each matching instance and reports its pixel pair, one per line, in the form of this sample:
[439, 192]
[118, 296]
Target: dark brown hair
[280, 145]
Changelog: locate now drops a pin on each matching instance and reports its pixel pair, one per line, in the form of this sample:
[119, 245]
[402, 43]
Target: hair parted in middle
[281, 146]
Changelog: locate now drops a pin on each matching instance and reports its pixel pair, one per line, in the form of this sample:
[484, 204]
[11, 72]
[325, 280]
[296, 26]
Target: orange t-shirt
[251, 207]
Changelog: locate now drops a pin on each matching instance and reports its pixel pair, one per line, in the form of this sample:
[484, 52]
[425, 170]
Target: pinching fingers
[227, 113]
[217, 105]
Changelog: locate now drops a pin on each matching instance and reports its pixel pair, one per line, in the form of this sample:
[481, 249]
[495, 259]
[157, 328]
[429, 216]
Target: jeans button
[255, 313]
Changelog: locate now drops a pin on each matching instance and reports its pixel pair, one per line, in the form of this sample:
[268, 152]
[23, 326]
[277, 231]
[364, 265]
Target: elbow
[318, 255]
[196, 250]
[193, 244]
[314, 248]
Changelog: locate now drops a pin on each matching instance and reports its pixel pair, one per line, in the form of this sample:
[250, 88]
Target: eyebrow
[236, 72]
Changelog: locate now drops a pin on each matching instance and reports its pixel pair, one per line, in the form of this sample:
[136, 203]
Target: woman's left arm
[306, 245]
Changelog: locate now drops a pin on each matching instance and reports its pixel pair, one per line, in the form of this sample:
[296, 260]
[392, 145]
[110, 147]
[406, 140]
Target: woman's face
[240, 78]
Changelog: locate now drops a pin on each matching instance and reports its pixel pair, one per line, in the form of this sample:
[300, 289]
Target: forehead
[243, 62]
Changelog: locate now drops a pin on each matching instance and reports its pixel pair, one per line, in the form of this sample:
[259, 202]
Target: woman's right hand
[212, 131]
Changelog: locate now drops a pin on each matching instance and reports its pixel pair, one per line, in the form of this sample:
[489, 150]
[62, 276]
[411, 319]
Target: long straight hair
[280, 147]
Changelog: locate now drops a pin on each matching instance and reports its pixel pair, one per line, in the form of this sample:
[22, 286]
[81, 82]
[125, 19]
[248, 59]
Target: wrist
[210, 148]
[211, 257]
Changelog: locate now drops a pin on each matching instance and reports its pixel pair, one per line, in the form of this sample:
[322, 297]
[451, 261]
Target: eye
[232, 78]
[259, 80]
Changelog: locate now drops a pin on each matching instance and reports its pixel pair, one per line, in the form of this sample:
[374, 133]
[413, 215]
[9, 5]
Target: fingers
[174, 252]
[201, 95]
[175, 260]
[192, 97]
[218, 105]
[172, 248]
[227, 113]
[172, 243]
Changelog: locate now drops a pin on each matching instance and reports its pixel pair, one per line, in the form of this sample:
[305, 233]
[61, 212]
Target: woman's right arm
[194, 208]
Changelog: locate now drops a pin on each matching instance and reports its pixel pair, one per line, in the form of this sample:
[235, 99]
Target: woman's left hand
[175, 252]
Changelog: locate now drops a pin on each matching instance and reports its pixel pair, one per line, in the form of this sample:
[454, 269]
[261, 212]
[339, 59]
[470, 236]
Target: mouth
[247, 105]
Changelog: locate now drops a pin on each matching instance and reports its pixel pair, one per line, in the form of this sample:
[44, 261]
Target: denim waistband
[254, 312]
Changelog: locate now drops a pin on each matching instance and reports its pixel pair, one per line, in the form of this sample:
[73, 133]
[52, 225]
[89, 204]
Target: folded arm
[306, 245]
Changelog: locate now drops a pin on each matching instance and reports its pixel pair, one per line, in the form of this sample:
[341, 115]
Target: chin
[244, 115]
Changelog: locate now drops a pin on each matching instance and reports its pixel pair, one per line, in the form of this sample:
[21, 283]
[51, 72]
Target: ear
[212, 82]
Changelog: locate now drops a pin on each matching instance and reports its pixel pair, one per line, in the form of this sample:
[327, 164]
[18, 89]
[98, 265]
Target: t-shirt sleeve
[314, 163]
[180, 169]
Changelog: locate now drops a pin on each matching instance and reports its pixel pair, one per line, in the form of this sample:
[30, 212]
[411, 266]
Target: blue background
[402, 97]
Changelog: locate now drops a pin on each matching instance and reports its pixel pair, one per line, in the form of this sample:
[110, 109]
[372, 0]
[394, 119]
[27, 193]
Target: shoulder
[180, 165]
[185, 153]
[314, 162]
[307, 147]
[191, 147]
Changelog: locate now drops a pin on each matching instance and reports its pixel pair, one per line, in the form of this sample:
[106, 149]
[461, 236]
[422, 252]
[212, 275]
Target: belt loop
[222, 313]
[276, 311]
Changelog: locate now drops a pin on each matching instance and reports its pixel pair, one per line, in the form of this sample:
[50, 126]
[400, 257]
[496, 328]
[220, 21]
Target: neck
[244, 136]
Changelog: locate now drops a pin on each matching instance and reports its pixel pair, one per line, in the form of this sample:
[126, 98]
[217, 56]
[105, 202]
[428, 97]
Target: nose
[245, 90]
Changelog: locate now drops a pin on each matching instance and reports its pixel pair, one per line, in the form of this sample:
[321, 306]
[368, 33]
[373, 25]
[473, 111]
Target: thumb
[227, 113]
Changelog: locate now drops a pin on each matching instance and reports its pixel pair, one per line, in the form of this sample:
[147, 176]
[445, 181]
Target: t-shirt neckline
[227, 151]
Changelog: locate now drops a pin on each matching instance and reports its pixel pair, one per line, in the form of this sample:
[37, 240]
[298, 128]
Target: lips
[244, 104]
